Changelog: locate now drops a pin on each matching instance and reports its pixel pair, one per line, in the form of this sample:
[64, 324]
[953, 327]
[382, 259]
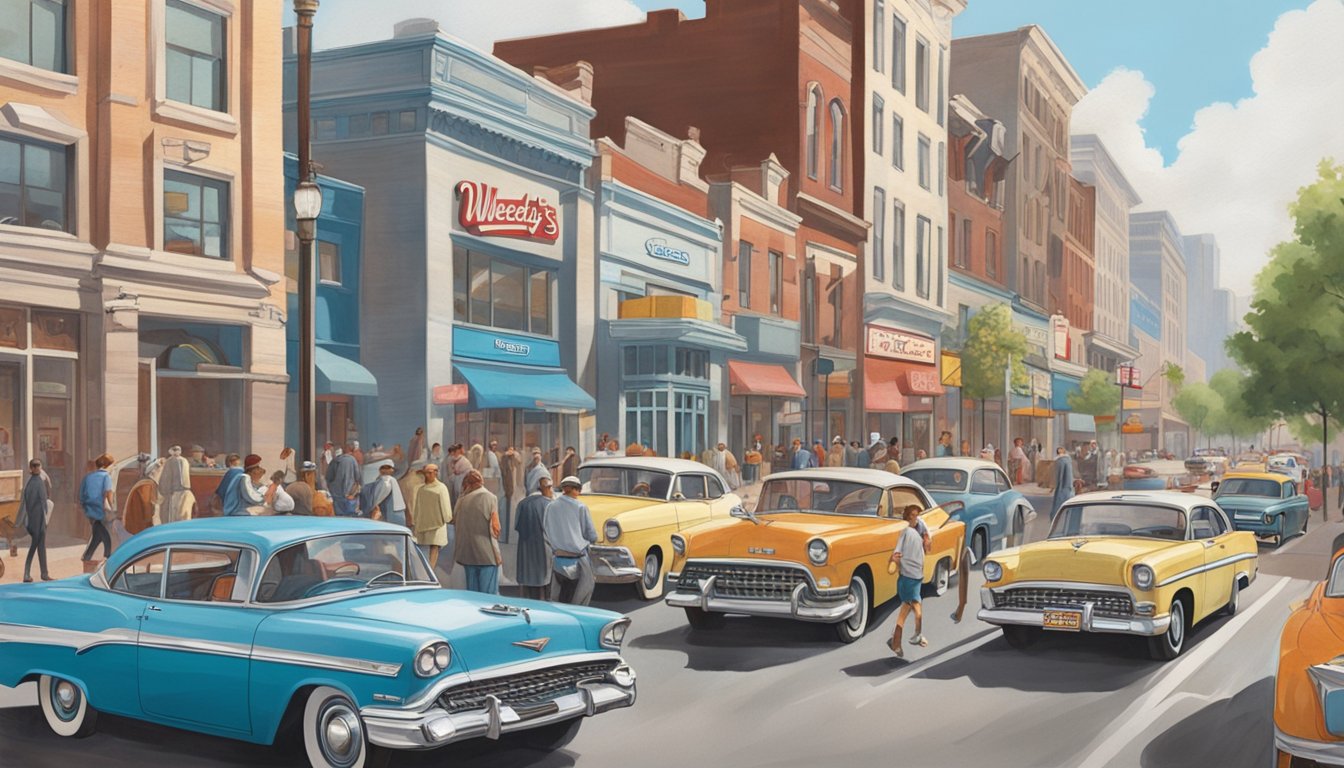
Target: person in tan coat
[477, 524]
[433, 513]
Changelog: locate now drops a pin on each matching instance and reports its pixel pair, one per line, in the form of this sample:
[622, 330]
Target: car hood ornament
[537, 645]
[1078, 544]
[499, 609]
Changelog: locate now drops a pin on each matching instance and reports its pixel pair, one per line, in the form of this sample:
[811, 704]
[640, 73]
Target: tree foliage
[1201, 406]
[1237, 420]
[990, 342]
[1174, 374]
[1096, 396]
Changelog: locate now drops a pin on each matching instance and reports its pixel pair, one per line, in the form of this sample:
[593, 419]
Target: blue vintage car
[1265, 503]
[995, 515]
[331, 630]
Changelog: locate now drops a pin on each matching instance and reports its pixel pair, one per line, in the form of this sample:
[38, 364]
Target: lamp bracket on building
[187, 151]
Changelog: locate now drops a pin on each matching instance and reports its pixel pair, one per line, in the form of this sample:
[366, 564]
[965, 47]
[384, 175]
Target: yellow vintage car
[1148, 563]
[815, 549]
[1309, 688]
[637, 503]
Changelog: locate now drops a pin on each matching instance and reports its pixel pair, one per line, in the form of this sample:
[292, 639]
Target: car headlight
[817, 552]
[993, 571]
[1268, 518]
[678, 544]
[614, 634]
[612, 530]
[1143, 577]
[433, 659]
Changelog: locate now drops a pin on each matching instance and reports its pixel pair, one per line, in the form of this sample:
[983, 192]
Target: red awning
[764, 379]
[451, 394]
[891, 386]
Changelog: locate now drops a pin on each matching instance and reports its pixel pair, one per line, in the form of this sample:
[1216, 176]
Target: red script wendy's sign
[482, 211]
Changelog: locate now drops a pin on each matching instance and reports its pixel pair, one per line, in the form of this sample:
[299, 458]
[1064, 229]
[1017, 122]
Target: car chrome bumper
[1328, 752]
[799, 606]
[1091, 622]
[435, 727]
[614, 565]
[1257, 526]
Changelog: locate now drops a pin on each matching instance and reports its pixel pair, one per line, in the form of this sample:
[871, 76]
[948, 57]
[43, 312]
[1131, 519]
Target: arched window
[813, 129]
[837, 169]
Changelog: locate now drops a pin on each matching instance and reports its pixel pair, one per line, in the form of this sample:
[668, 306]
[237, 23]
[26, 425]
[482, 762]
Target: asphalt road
[772, 693]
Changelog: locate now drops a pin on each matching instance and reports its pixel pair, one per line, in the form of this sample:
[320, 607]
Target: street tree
[991, 344]
[1174, 374]
[1096, 396]
[1295, 330]
[1202, 408]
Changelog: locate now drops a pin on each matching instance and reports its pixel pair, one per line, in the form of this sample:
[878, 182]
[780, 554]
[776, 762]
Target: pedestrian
[535, 471]
[836, 456]
[569, 530]
[304, 490]
[877, 450]
[819, 451]
[287, 465]
[892, 465]
[1063, 480]
[175, 493]
[33, 517]
[476, 519]
[97, 499]
[436, 456]
[966, 448]
[510, 478]
[725, 463]
[382, 499]
[908, 562]
[277, 498]
[801, 458]
[944, 444]
[491, 469]
[459, 465]
[343, 481]
[570, 464]
[533, 567]
[417, 451]
[244, 496]
[1017, 460]
[432, 514]
[751, 461]
[233, 467]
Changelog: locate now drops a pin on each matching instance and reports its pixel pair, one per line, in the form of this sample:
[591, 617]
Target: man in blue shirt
[96, 497]
[343, 482]
[244, 491]
[230, 475]
[801, 457]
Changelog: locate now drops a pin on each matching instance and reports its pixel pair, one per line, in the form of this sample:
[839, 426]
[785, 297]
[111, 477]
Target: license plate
[1070, 621]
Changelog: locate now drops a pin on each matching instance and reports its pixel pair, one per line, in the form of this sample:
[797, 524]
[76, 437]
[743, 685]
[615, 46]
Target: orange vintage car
[1309, 689]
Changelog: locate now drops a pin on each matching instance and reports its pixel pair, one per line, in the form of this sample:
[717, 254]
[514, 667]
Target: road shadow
[881, 667]
[744, 644]
[622, 598]
[1230, 732]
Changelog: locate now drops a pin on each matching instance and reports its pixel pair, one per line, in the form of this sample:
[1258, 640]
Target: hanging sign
[481, 211]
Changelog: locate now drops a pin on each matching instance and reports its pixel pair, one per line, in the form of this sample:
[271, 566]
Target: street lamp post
[307, 206]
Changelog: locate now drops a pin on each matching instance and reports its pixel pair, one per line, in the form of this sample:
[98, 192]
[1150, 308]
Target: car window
[1202, 524]
[936, 479]
[983, 482]
[1220, 522]
[1249, 486]
[1106, 518]
[143, 576]
[204, 575]
[333, 564]
[625, 481]
[904, 497]
[713, 488]
[1001, 482]
[1289, 490]
[692, 487]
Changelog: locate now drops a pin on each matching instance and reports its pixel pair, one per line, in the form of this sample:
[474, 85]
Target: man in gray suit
[34, 514]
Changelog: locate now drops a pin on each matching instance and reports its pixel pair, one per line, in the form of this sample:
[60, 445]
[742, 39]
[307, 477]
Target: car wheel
[1021, 638]
[550, 737]
[65, 707]
[650, 583]
[333, 734]
[1231, 608]
[1169, 644]
[700, 619]
[942, 578]
[855, 626]
[980, 545]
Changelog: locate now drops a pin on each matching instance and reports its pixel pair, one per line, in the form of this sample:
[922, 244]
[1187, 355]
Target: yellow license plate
[1071, 621]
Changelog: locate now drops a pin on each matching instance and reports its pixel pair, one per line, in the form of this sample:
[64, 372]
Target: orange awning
[1034, 412]
[763, 379]
[890, 386]
[451, 394]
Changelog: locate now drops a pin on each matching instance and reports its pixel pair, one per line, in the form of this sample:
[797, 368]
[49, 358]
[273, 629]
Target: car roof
[1184, 501]
[1277, 477]
[878, 477]
[656, 463]
[264, 534]
[964, 463]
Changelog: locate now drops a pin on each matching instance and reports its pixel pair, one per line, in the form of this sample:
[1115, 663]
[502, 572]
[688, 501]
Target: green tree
[1295, 331]
[1237, 422]
[1096, 396]
[1201, 406]
[1174, 374]
[991, 342]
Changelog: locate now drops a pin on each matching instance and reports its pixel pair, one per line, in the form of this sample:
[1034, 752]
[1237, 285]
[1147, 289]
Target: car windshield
[804, 495]
[350, 562]
[938, 479]
[626, 481]
[1246, 486]
[1119, 519]
[1335, 587]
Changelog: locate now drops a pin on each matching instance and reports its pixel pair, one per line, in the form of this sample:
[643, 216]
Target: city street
[762, 692]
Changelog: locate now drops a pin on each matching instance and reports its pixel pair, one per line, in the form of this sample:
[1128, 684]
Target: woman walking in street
[95, 496]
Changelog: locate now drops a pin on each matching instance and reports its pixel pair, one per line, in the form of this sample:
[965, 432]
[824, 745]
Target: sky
[1217, 110]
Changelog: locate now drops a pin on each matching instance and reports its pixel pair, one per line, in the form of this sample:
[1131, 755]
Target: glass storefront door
[54, 425]
[13, 452]
[655, 418]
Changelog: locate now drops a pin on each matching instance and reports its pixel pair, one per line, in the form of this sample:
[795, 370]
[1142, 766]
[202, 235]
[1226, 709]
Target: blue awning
[338, 375]
[1060, 388]
[522, 387]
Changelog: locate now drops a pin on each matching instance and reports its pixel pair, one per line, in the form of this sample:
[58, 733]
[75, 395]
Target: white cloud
[1241, 164]
[346, 22]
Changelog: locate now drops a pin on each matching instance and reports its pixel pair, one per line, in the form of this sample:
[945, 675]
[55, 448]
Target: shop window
[195, 215]
[743, 274]
[34, 184]
[56, 330]
[646, 419]
[12, 402]
[690, 420]
[195, 56]
[33, 32]
[329, 262]
[13, 328]
[508, 285]
[493, 292]
[182, 421]
[54, 419]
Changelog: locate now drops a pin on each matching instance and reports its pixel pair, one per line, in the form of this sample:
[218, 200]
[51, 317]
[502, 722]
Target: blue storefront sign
[496, 347]
[506, 371]
[1145, 316]
[658, 248]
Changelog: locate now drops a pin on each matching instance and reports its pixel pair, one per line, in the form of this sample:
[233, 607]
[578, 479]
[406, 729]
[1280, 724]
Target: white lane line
[919, 665]
[1145, 710]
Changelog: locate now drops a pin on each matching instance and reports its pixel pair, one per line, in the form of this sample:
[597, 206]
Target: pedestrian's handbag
[567, 567]
[51, 506]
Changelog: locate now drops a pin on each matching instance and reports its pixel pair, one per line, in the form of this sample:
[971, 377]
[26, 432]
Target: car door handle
[154, 608]
[1208, 544]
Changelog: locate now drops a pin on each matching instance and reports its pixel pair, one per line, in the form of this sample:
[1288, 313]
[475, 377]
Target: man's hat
[308, 466]
[251, 462]
[571, 480]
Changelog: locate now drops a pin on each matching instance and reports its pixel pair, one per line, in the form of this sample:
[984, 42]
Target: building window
[942, 169]
[813, 130]
[897, 53]
[963, 249]
[776, 280]
[838, 312]
[378, 123]
[809, 311]
[878, 123]
[924, 161]
[1024, 279]
[33, 32]
[963, 321]
[923, 251]
[879, 232]
[921, 73]
[897, 141]
[942, 74]
[879, 23]
[406, 121]
[837, 169]
[646, 419]
[898, 245]
[34, 184]
[329, 262]
[195, 60]
[195, 215]
[991, 252]
[942, 261]
[743, 274]
[493, 292]
[663, 360]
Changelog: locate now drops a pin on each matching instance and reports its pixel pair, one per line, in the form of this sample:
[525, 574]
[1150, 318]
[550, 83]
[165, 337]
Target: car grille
[525, 691]
[746, 582]
[1039, 598]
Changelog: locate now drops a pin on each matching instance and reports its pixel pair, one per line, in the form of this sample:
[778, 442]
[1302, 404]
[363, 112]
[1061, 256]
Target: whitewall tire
[333, 734]
[65, 707]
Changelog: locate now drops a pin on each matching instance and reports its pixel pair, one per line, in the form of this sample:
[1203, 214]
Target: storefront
[764, 394]
[952, 414]
[1031, 407]
[901, 381]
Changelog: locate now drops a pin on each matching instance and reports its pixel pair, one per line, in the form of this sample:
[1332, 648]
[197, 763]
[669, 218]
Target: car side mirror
[1213, 487]
[678, 496]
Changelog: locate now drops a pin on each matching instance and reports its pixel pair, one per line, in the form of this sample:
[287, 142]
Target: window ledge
[200, 117]
[45, 79]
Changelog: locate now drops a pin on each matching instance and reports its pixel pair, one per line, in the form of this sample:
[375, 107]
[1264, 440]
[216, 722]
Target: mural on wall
[415, 386]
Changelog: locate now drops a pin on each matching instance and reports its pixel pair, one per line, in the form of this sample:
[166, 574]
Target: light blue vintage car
[995, 515]
[1264, 503]
[332, 631]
